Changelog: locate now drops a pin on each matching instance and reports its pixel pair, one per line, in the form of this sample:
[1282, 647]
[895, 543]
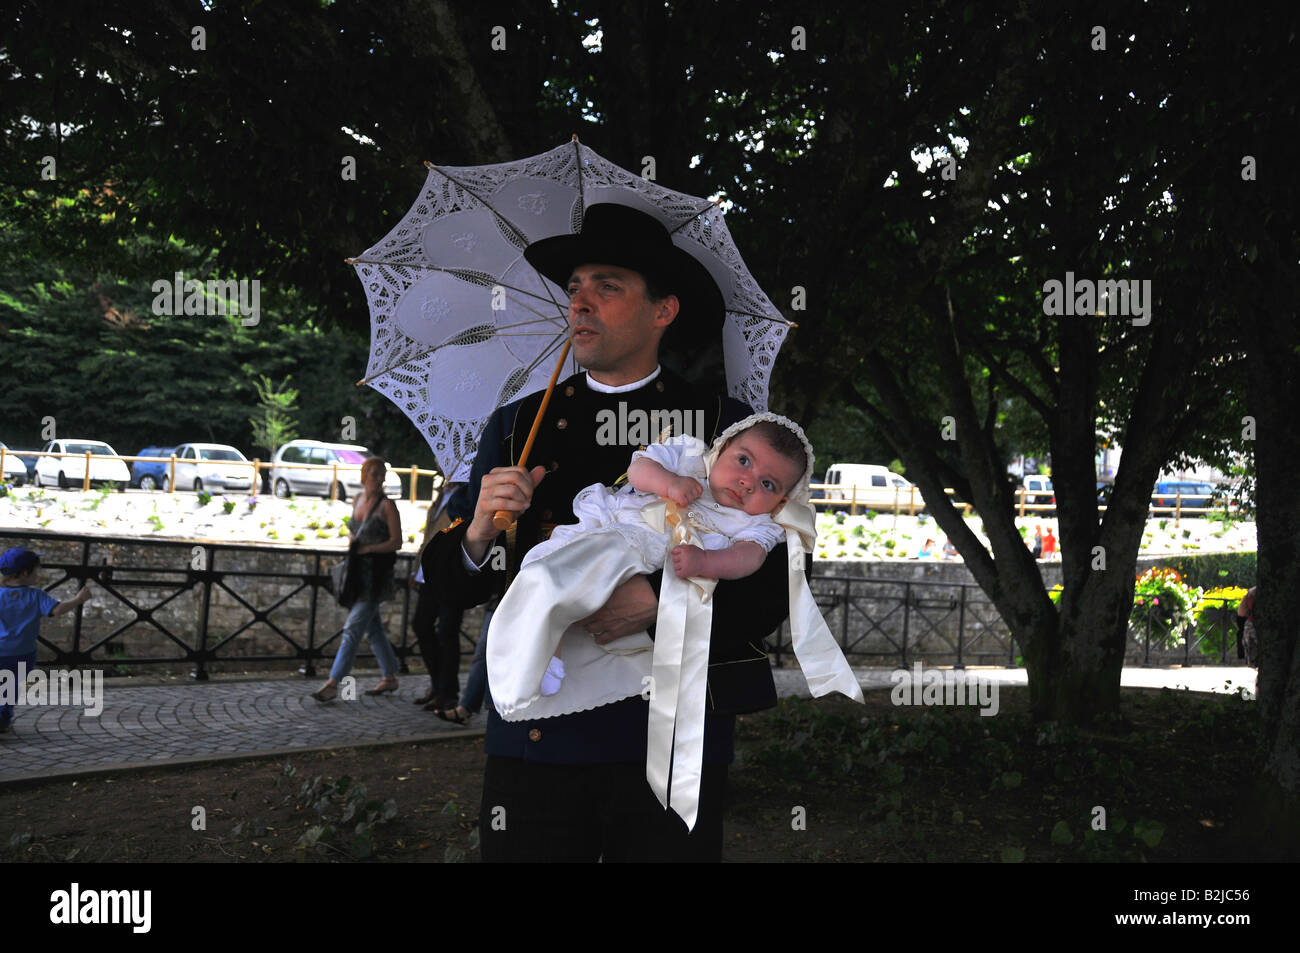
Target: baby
[729, 504]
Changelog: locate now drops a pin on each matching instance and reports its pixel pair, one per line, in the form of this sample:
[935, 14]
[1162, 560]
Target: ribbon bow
[680, 666]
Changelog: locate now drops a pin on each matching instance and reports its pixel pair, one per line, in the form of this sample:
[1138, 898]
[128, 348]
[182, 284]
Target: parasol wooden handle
[504, 519]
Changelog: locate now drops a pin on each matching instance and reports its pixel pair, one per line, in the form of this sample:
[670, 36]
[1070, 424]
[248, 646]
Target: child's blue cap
[18, 560]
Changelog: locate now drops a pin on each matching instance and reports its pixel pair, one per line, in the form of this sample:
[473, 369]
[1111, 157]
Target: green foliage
[1163, 603]
[83, 346]
[1208, 570]
[100, 496]
[274, 423]
[1216, 627]
[1119, 841]
[807, 743]
[348, 820]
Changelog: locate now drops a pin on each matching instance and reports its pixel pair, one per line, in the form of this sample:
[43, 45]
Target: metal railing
[1215, 630]
[889, 621]
[148, 592]
[875, 621]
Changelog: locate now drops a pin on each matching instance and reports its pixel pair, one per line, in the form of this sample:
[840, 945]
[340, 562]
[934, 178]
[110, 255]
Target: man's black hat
[618, 235]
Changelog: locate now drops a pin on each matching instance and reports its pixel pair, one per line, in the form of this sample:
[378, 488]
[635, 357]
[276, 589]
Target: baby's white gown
[569, 576]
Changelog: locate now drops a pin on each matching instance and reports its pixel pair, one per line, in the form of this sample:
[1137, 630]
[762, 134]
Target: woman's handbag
[339, 583]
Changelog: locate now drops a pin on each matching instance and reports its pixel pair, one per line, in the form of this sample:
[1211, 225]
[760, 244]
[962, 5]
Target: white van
[871, 487]
[1038, 489]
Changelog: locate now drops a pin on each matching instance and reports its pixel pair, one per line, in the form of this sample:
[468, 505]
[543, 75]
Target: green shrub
[1215, 628]
[1215, 569]
[1162, 600]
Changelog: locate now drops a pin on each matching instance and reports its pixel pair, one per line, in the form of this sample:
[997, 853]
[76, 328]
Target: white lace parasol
[461, 323]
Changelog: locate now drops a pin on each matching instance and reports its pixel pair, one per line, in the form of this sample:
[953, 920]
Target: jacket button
[555, 465]
[568, 391]
[561, 424]
[535, 734]
[659, 386]
[547, 514]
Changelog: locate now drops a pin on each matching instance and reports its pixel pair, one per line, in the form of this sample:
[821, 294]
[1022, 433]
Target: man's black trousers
[534, 812]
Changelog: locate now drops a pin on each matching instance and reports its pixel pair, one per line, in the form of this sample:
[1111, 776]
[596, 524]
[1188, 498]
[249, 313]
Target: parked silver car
[307, 466]
[210, 466]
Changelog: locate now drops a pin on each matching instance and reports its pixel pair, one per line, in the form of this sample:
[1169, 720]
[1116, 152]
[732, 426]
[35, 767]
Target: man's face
[749, 475]
[614, 327]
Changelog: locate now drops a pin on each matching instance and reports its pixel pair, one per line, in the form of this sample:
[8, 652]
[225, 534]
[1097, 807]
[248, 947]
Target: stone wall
[895, 612]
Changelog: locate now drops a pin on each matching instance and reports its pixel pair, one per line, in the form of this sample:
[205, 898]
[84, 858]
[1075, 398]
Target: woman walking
[376, 530]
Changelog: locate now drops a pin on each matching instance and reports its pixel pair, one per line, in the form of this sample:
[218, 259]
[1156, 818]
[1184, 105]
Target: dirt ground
[813, 781]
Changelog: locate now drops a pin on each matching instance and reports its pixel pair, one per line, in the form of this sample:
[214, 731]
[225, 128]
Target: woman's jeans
[364, 620]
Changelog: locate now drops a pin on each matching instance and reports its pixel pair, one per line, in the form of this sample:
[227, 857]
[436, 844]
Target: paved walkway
[149, 725]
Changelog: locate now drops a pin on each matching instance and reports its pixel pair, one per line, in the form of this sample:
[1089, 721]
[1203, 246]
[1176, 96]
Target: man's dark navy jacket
[745, 611]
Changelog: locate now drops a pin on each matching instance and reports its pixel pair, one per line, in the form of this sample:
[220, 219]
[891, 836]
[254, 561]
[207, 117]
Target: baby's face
[749, 475]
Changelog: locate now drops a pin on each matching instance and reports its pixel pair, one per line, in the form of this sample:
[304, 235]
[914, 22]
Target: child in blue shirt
[22, 603]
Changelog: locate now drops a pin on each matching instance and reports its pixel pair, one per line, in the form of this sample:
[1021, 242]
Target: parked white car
[871, 486]
[15, 470]
[307, 466]
[210, 466]
[68, 468]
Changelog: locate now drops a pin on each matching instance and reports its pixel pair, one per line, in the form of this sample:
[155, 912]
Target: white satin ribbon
[815, 648]
[680, 672]
[680, 667]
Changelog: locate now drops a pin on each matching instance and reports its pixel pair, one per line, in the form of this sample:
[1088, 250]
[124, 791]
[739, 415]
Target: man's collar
[623, 388]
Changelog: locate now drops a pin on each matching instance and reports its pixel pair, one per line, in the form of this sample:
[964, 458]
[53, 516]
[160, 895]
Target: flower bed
[245, 519]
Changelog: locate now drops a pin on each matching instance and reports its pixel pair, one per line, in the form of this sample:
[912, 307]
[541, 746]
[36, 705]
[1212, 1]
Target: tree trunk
[1075, 668]
[1272, 815]
[1066, 688]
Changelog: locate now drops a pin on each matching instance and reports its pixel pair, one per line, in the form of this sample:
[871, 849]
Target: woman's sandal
[321, 695]
[385, 685]
[451, 715]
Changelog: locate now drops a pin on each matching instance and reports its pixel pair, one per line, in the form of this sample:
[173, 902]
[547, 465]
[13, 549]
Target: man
[573, 788]
[437, 629]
